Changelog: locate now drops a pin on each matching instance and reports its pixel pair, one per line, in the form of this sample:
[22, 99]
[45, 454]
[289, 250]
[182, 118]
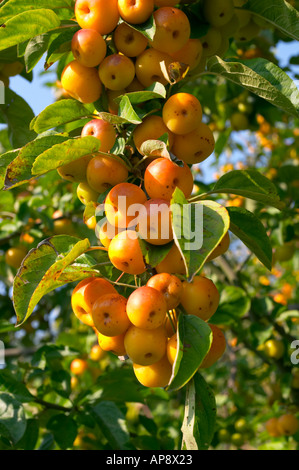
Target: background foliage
[254, 174]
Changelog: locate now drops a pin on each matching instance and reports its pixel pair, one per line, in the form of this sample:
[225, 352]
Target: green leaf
[198, 228]
[148, 28]
[279, 13]
[19, 170]
[17, 114]
[12, 418]
[59, 45]
[251, 184]
[233, 305]
[194, 341]
[64, 429]
[5, 160]
[10, 383]
[109, 385]
[262, 78]
[46, 268]
[31, 435]
[35, 50]
[155, 91]
[64, 153]
[6, 326]
[199, 422]
[113, 425]
[114, 119]
[127, 112]
[150, 148]
[250, 230]
[153, 255]
[26, 25]
[15, 7]
[60, 113]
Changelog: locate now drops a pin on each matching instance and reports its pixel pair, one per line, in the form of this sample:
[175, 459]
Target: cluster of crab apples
[110, 53]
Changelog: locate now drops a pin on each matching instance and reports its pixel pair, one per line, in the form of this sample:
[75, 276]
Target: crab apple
[200, 297]
[182, 113]
[284, 252]
[170, 286]
[113, 344]
[85, 294]
[224, 435]
[196, 146]
[221, 248]
[211, 42]
[91, 223]
[162, 176]
[135, 11]
[241, 425]
[81, 83]
[229, 29]
[128, 41]
[151, 128]
[244, 17]
[288, 424]
[116, 72]
[274, 348]
[239, 121]
[123, 203]
[75, 171]
[172, 30]
[173, 263]
[106, 232]
[78, 366]
[12, 69]
[237, 439]
[104, 172]
[154, 222]
[102, 130]
[190, 54]
[146, 308]
[86, 194]
[144, 346]
[171, 349]
[14, 256]
[217, 348]
[248, 32]
[149, 67]
[218, 12]
[125, 253]
[88, 47]
[109, 314]
[134, 86]
[100, 15]
[64, 226]
[96, 353]
[154, 376]
[271, 426]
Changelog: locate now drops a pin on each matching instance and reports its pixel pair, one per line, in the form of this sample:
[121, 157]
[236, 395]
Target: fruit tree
[149, 225]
